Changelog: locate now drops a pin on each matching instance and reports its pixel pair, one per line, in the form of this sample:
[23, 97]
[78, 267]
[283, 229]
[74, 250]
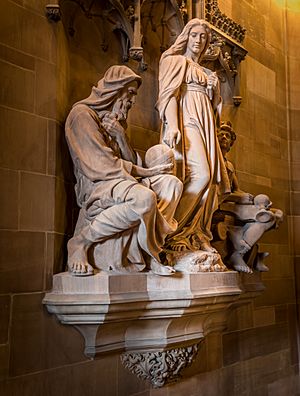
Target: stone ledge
[146, 315]
[140, 310]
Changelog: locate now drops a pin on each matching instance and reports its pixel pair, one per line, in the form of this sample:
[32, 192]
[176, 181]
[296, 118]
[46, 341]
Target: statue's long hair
[179, 47]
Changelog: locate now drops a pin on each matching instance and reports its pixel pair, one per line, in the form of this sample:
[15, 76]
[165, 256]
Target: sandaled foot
[160, 269]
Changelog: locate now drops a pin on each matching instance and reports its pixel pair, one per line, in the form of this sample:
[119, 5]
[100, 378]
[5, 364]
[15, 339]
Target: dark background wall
[44, 71]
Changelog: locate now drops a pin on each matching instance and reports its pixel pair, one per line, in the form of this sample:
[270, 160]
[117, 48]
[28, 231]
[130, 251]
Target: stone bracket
[160, 367]
[154, 321]
[53, 12]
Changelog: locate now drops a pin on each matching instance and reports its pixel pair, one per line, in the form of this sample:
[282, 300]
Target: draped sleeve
[89, 150]
[171, 75]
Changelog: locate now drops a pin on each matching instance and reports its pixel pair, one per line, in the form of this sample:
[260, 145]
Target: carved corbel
[237, 100]
[131, 36]
[53, 12]
[160, 367]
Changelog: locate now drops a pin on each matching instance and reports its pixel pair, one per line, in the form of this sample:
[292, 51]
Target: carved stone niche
[156, 323]
[120, 17]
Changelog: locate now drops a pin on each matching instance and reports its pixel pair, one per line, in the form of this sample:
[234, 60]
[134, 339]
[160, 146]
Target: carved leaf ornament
[160, 367]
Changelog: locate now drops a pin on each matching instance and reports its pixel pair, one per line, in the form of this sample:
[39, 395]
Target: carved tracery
[120, 17]
[141, 24]
[214, 16]
[164, 19]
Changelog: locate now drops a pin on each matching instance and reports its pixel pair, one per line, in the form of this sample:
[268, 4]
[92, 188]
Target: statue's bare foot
[237, 262]
[242, 268]
[206, 247]
[179, 246]
[78, 268]
[160, 269]
[200, 242]
[77, 257]
[260, 265]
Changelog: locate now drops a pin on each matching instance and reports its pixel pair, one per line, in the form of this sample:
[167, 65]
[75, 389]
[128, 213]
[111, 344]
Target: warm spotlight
[291, 5]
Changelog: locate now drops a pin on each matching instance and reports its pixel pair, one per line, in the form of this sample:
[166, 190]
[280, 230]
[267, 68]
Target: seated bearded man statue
[126, 209]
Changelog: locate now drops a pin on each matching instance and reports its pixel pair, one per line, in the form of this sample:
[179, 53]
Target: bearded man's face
[125, 101]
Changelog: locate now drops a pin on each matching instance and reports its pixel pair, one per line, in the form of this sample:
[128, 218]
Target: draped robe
[200, 163]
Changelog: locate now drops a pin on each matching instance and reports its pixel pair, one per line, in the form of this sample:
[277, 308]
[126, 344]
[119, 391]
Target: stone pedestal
[149, 318]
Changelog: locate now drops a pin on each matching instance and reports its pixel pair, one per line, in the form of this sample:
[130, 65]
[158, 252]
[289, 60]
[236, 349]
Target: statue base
[146, 316]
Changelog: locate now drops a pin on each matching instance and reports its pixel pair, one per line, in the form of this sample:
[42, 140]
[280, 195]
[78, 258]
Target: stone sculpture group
[138, 215]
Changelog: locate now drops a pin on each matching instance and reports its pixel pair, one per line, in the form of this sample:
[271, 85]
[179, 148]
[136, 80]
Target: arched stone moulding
[156, 323]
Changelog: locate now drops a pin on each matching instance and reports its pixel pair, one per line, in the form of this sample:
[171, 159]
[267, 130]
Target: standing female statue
[189, 100]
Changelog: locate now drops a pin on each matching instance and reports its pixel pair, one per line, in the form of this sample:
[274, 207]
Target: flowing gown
[199, 159]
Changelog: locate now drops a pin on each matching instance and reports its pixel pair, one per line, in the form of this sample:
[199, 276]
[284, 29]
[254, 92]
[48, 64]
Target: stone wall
[294, 127]
[44, 71]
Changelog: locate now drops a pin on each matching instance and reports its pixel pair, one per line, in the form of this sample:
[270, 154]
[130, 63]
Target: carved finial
[183, 11]
[136, 53]
[130, 15]
[237, 100]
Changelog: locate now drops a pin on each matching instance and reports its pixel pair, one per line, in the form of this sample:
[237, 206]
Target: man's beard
[121, 109]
